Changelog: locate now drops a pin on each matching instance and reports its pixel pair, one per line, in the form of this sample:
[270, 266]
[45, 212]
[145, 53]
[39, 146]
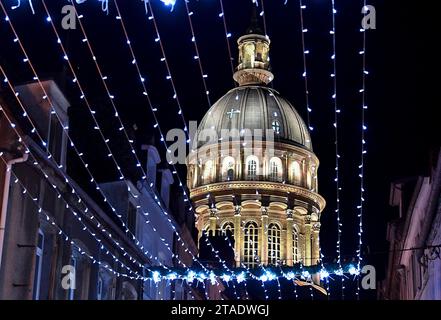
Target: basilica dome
[251, 170]
[256, 107]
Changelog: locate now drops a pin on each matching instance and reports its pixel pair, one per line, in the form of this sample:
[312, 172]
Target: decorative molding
[260, 185]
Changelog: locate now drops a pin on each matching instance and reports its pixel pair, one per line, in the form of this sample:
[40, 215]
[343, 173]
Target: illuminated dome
[257, 107]
[263, 191]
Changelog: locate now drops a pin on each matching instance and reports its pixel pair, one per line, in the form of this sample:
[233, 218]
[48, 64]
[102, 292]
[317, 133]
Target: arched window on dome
[275, 169]
[252, 167]
[275, 124]
[208, 171]
[295, 172]
[251, 245]
[273, 244]
[295, 245]
[309, 179]
[228, 168]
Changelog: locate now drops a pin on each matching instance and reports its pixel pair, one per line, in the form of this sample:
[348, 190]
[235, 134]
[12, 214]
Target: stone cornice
[259, 185]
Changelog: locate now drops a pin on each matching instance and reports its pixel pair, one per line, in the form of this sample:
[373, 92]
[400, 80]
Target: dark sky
[400, 88]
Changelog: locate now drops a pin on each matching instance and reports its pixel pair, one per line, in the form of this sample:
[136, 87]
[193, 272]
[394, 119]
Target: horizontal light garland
[263, 274]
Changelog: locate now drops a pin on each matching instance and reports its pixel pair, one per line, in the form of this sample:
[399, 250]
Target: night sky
[400, 89]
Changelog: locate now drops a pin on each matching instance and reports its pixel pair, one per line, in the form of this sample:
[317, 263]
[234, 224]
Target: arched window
[228, 168]
[296, 172]
[273, 244]
[308, 180]
[276, 126]
[251, 245]
[252, 167]
[275, 173]
[228, 228]
[295, 246]
[208, 171]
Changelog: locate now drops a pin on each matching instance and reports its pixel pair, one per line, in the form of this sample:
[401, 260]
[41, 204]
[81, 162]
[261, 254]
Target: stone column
[213, 221]
[264, 236]
[289, 249]
[315, 243]
[307, 240]
[237, 235]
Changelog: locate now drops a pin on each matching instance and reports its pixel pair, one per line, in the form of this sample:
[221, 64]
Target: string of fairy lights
[305, 52]
[80, 154]
[87, 212]
[337, 111]
[269, 274]
[363, 150]
[197, 55]
[65, 129]
[93, 218]
[175, 97]
[227, 37]
[85, 39]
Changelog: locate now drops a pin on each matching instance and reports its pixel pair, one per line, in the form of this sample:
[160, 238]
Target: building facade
[414, 235]
[50, 227]
[252, 169]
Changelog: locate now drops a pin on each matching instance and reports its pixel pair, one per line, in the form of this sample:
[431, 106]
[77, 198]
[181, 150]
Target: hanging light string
[169, 75]
[69, 240]
[103, 248]
[227, 38]
[85, 37]
[262, 14]
[93, 180]
[86, 212]
[103, 78]
[335, 124]
[364, 107]
[156, 198]
[145, 93]
[65, 129]
[197, 55]
[303, 31]
[229, 272]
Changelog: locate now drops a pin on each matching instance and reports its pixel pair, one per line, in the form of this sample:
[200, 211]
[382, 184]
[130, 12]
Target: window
[296, 172]
[251, 245]
[275, 173]
[273, 170]
[228, 168]
[273, 244]
[38, 264]
[295, 246]
[208, 169]
[276, 126]
[252, 167]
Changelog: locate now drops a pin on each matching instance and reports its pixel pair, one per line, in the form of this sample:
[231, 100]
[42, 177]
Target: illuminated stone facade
[263, 187]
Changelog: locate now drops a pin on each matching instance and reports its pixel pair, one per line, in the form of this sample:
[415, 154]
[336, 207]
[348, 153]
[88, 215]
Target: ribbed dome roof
[256, 107]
